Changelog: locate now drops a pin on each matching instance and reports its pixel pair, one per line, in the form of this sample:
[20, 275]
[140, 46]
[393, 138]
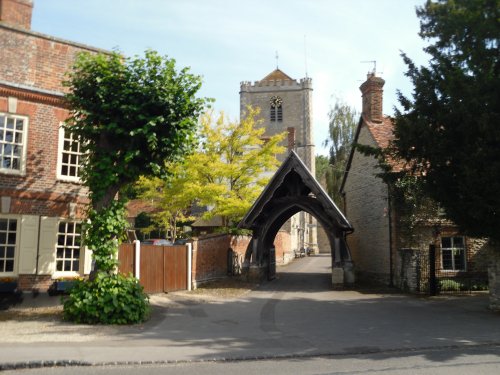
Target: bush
[108, 299]
[450, 285]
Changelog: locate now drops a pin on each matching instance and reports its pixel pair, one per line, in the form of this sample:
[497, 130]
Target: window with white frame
[8, 234]
[69, 156]
[68, 246]
[12, 143]
[453, 253]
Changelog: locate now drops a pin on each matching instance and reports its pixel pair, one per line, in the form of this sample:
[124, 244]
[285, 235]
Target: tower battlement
[246, 85]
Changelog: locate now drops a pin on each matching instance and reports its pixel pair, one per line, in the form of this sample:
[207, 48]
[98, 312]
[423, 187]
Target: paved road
[466, 361]
[297, 315]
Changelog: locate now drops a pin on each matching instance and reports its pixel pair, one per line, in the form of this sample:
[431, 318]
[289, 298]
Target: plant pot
[8, 287]
[64, 286]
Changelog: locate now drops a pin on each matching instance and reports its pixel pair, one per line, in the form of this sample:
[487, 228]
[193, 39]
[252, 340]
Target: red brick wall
[38, 282]
[210, 254]
[39, 192]
[210, 257]
[283, 246]
[16, 12]
[36, 60]
[33, 60]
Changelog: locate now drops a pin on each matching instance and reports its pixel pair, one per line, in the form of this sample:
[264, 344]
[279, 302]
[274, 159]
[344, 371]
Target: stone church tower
[286, 106]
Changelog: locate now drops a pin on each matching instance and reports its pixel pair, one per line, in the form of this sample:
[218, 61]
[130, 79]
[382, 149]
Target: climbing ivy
[131, 115]
[102, 233]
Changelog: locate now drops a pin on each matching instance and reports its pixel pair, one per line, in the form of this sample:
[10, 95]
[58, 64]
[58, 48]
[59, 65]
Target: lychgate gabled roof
[293, 179]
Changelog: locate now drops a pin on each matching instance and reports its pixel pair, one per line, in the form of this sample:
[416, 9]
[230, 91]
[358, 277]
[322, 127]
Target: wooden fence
[165, 268]
[161, 269]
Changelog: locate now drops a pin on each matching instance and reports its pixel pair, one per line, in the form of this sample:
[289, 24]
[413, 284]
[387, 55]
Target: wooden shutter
[48, 241]
[28, 241]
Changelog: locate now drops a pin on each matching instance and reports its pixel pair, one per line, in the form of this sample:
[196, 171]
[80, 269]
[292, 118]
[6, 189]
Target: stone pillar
[494, 278]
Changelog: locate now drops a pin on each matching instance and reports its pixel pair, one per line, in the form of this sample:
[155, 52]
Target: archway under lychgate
[293, 189]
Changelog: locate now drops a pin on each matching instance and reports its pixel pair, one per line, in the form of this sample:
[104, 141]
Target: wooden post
[137, 262]
[189, 265]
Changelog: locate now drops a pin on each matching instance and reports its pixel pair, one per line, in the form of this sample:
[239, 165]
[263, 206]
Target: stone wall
[323, 241]
[494, 278]
[411, 267]
[367, 211]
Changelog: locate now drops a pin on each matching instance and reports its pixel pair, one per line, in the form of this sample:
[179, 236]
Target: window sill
[70, 180]
[12, 172]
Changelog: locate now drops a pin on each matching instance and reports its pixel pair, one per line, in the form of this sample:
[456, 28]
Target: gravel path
[45, 324]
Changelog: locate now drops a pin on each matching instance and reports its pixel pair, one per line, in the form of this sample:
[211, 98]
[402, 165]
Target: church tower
[286, 106]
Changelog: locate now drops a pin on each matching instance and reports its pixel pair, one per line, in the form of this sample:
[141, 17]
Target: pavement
[294, 316]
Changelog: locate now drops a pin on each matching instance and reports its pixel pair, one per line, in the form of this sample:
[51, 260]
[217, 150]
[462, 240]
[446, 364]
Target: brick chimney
[291, 138]
[16, 12]
[372, 94]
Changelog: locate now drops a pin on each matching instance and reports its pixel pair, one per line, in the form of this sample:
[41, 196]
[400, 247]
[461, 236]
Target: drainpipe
[391, 272]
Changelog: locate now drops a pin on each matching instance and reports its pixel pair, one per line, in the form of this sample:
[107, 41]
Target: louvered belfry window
[276, 113]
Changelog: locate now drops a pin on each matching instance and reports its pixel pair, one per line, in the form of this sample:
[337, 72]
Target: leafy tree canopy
[172, 195]
[227, 172]
[342, 127]
[131, 114]
[448, 132]
[234, 164]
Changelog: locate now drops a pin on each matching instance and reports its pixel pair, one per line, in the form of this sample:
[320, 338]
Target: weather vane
[277, 57]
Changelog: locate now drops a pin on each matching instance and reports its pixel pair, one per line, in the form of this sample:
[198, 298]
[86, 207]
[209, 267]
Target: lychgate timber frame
[293, 189]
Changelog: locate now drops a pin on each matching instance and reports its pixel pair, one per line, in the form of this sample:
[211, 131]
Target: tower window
[276, 113]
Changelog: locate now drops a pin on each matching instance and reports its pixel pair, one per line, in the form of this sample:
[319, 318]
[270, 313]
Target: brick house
[381, 249]
[42, 199]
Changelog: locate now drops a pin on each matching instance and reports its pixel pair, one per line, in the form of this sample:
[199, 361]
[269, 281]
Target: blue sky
[228, 41]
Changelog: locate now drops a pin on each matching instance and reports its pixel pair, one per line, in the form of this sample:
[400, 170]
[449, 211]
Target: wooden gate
[126, 259]
[162, 268]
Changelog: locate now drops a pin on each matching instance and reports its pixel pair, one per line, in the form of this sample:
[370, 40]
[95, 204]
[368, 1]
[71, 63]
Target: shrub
[450, 285]
[107, 299]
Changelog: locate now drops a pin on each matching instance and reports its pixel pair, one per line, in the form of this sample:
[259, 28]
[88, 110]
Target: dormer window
[276, 109]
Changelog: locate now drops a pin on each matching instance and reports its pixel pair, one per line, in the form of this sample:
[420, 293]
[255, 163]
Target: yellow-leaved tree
[172, 197]
[234, 163]
[227, 172]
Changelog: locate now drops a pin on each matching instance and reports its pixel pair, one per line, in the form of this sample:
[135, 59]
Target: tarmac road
[466, 361]
[296, 316]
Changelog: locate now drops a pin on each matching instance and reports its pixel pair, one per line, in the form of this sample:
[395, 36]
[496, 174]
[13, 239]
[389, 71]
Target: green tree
[233, 164]
[448, 133]
[131, 116]
[322, 165]
[172, 196]
[342, 127]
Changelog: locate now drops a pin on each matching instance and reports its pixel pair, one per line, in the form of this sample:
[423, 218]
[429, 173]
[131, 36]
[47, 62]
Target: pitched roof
[277, 75]
[382, 134]
[215, 221]
[136, 206]
[279, 185]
